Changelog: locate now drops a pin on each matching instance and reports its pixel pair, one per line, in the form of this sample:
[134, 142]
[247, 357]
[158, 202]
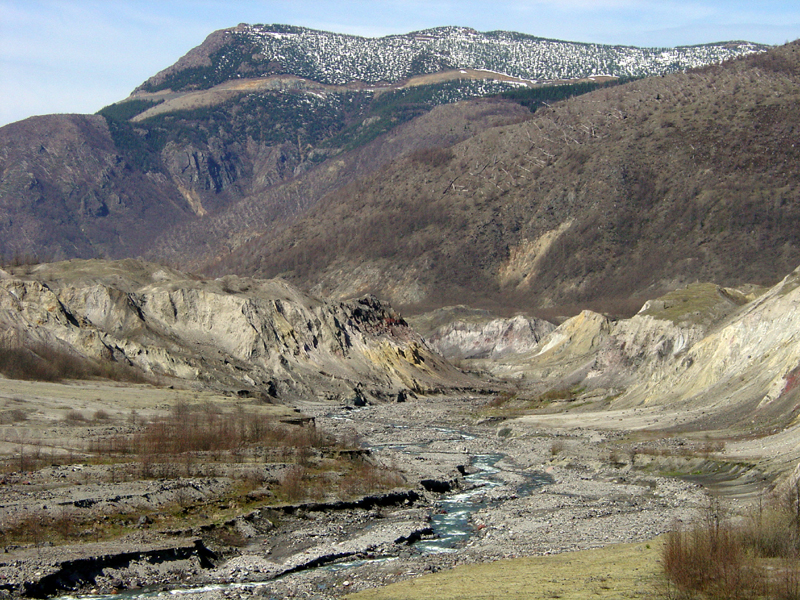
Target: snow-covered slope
[337, 59]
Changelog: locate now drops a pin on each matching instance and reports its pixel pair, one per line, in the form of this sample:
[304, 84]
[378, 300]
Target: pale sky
[63, 56]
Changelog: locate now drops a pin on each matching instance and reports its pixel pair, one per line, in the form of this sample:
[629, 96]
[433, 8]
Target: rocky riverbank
[550, 492]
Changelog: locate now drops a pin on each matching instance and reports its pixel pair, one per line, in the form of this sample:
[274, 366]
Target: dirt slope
[261, 336]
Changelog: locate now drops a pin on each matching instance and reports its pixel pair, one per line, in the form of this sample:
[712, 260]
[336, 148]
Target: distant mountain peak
[248, 51]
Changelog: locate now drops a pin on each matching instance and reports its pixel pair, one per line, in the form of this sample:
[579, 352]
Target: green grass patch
[697, 304]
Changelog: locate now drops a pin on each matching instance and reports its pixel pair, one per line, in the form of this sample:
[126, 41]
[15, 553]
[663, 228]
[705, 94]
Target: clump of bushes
[758, 558]
[74, 416]
[192, 438]
[709, 559]
[433, 157]
[41, 362]
[205, 429]
[40, 527]
[14, 415]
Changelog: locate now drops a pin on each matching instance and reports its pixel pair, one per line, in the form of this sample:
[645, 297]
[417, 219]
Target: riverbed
[484, 492]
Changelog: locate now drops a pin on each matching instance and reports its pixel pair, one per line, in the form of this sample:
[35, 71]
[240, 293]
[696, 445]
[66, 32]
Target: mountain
[250, 51]
[191, 166]
[65, 190]
[603, 200]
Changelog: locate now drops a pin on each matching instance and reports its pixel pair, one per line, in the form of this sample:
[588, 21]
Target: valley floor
[488, 488]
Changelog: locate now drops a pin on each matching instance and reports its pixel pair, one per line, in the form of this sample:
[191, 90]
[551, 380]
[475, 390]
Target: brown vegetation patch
[667, 180]
[45, 363]
[759, 558]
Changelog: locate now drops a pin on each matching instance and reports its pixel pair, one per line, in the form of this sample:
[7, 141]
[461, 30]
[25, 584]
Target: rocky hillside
[721, 358]
[198, 242]
[65, 190]
[624, 192]
[256, 337]
[458, 332]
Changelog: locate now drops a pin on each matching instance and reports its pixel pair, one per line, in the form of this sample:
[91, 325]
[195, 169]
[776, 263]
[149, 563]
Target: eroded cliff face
[743, 370]
[490, 339]
[231, 333]
[724, 357]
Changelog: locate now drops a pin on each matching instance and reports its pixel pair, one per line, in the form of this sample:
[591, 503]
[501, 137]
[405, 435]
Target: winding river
[450, 521]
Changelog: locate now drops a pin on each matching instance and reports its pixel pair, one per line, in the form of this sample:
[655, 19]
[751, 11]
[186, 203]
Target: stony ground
[555, 490]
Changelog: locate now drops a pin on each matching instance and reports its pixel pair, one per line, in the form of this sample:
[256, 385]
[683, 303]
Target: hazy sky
[61, 56]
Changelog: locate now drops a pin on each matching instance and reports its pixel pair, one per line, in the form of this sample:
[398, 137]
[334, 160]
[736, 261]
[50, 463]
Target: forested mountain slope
[623, 192]
[192, 164]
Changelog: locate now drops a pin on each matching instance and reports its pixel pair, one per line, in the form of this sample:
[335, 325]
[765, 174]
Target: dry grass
[45, 363]
[509, 405]
[619, 571]
[710, 560]
[69, 525]
[260, 460]
[205, 430]
[757, 559]
[14, 415]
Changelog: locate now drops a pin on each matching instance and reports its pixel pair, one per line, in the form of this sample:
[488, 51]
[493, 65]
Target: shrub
[714, 559]
[39, 527]
[366, 478]
[292, 486]
[74, 416]
[41, 362]
[15, 415]
[432, 157]
[193, 438]
[190, 431]
[710, 559]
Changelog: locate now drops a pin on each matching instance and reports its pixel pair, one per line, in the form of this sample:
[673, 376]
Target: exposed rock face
[229, 333]
[492, 339]
[592, 351]
[748, 366]
[697, 349]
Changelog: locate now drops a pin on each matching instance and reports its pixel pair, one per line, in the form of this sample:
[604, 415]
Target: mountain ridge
[332, 58]
[206, 182]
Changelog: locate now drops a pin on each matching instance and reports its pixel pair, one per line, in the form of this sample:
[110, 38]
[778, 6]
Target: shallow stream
[450, 521]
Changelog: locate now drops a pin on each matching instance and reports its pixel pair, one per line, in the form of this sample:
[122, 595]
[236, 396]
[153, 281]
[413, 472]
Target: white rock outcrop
[491, 339]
